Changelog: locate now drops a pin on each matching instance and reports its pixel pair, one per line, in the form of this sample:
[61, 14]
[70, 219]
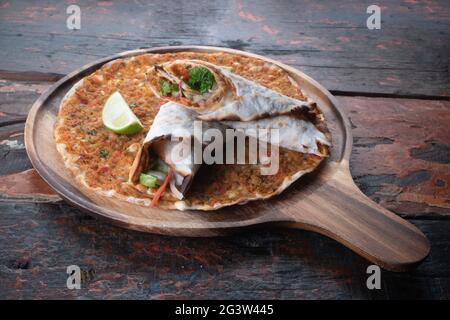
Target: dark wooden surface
[328, 40]
[401, 155]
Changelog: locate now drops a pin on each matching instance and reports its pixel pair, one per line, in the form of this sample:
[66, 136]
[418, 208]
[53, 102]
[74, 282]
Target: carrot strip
[161, 189]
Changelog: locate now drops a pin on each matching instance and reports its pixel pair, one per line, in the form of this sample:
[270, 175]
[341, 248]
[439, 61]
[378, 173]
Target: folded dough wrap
[232, 102]
[293, 133]
[176, 122]
[172, 126]
[232, 97]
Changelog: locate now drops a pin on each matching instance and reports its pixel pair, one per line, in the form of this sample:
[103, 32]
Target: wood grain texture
[16, 98]
[401, 154]
[332, 205]
[12, 149]
[409, 56]
[400, 157]
[26, 186]
[329, 41]
[39, 241]
[329, 203]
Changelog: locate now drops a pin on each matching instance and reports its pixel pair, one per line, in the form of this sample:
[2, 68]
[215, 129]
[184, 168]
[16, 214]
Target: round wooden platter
[326, 201]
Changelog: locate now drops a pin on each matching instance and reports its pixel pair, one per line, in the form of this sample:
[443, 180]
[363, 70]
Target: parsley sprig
[200, 79]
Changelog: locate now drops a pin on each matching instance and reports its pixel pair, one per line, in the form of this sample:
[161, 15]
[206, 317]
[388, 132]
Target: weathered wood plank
[401, 153]
[12, 150]
[329, 41]
[16, 98]
[26, 186]
[39, 241]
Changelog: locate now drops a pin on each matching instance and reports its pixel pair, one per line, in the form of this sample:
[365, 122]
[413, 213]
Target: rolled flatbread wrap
[228, 97]
[293, 133]
[172, 127]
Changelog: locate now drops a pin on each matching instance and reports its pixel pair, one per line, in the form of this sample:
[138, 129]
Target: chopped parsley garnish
[104, 154]
[200, 79]
[167, 88]
[92, 132]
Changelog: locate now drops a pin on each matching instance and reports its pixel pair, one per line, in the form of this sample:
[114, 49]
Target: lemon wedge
[118, 116]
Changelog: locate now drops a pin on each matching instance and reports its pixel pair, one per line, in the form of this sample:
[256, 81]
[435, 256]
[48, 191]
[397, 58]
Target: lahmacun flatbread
[111, 163]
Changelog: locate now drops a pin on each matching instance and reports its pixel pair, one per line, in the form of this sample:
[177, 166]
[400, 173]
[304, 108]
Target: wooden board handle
[339, 210]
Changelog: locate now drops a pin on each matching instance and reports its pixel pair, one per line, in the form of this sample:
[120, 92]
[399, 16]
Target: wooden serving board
[326, 201]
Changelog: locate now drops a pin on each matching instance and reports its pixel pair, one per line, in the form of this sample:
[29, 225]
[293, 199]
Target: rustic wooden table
[394, 84]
